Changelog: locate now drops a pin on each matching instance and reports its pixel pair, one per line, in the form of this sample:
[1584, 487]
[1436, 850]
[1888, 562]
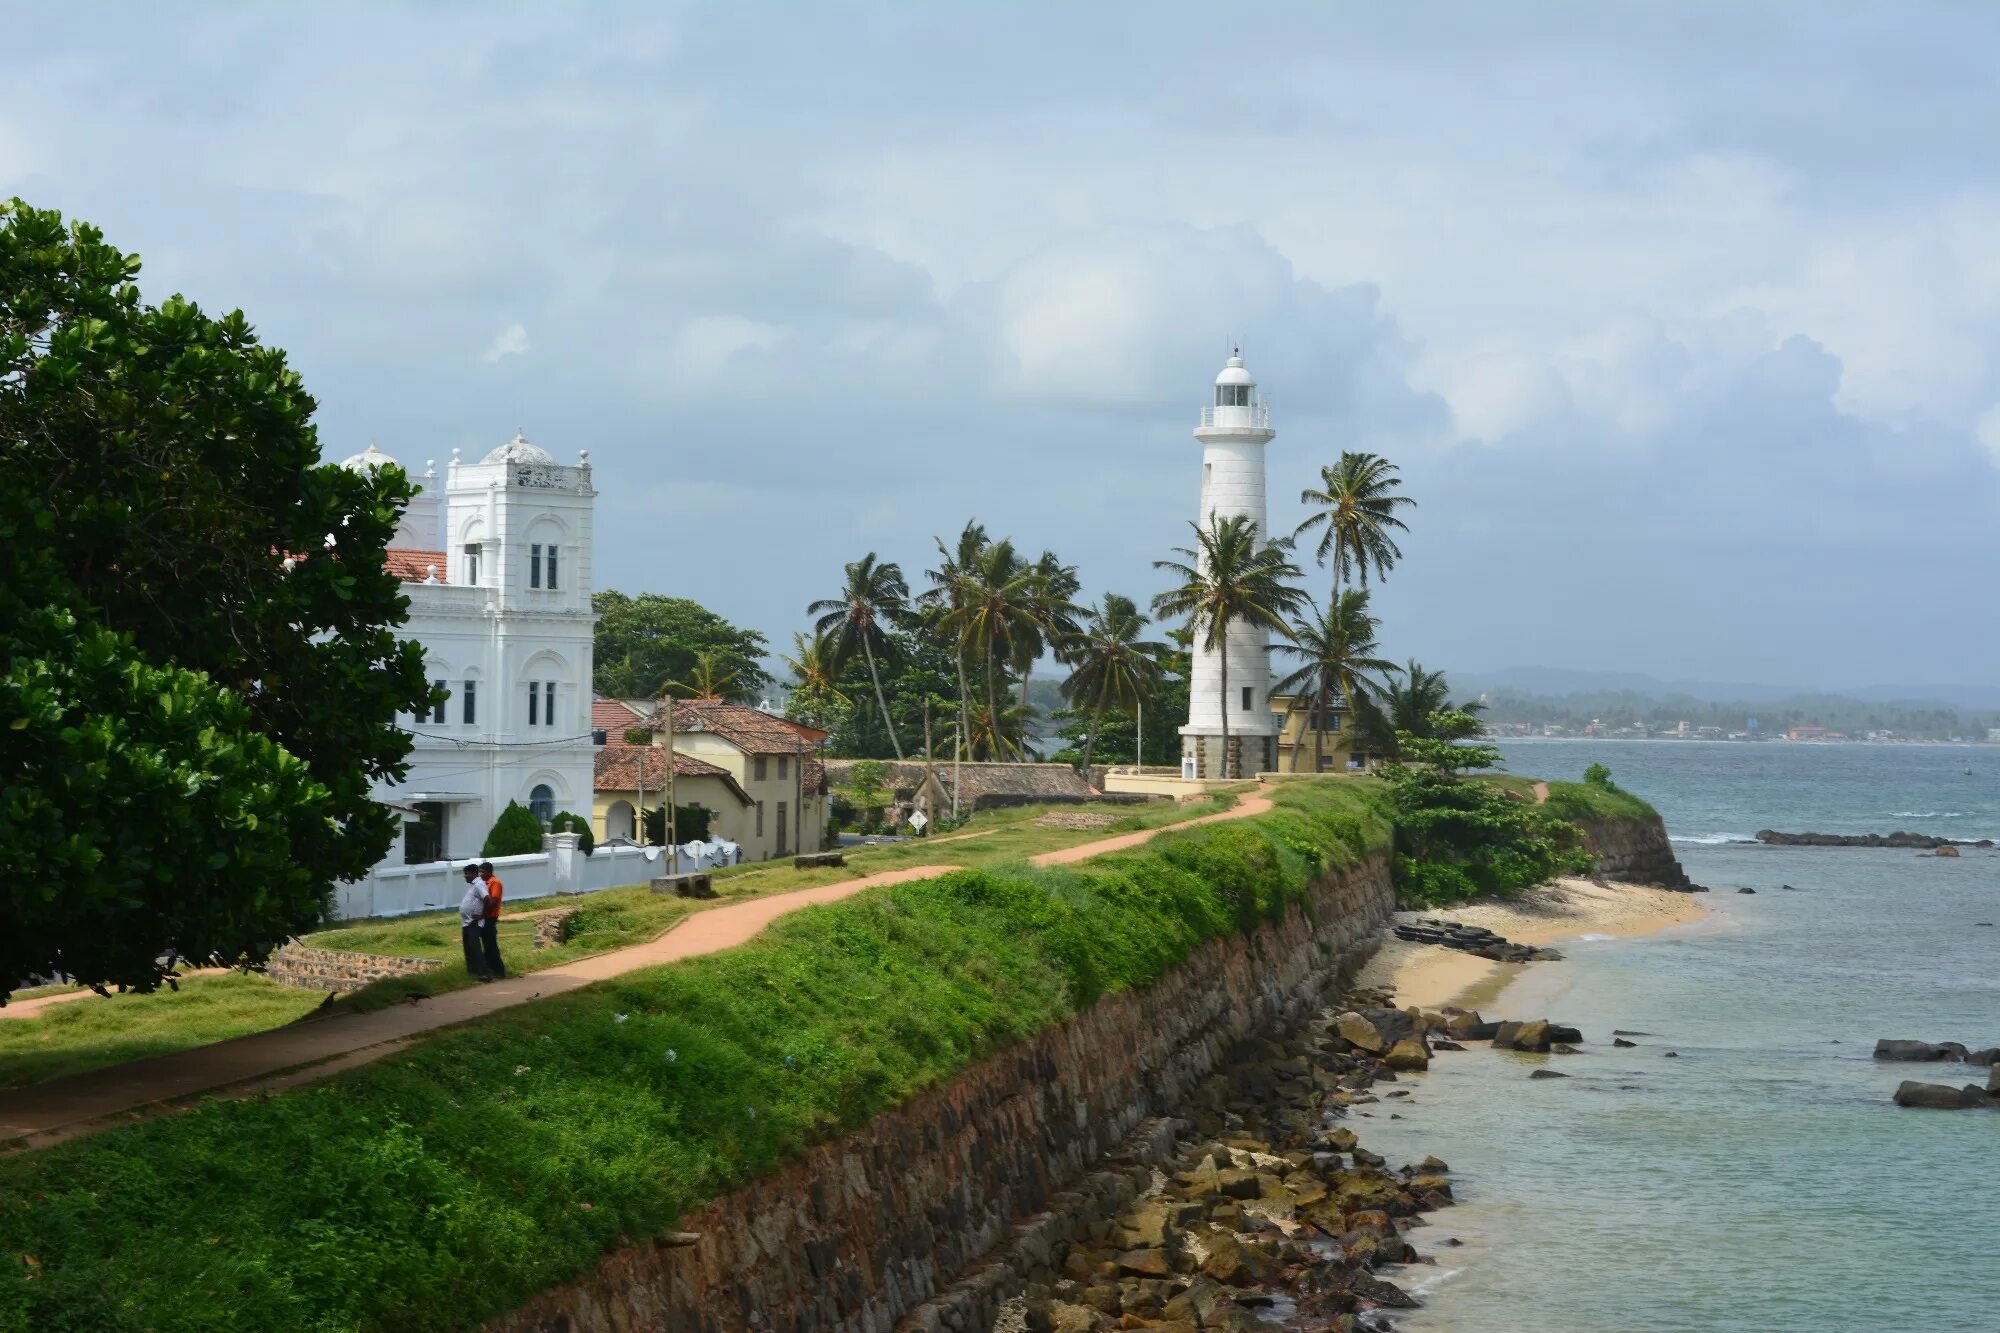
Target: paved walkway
[29, 1008]
[47, 1113]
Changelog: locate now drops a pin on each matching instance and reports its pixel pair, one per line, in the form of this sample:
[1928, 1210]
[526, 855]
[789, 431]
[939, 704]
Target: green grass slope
[453, 1180]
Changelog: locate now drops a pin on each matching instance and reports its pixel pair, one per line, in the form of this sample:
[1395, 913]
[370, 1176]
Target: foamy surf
[1709, 839]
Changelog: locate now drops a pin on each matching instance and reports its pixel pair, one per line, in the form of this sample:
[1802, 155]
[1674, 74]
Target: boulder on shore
[1940, 1096]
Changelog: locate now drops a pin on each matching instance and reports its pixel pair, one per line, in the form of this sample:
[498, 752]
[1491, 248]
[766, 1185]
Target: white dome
[1233, 372]
[368, 460]
[518, 450]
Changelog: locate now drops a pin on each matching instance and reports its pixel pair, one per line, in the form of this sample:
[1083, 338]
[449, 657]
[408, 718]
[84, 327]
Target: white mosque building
[1233, 433]
[499, 581]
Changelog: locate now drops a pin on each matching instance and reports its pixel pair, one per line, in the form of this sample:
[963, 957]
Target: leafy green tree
[1458, 837]
[857, 622]
[515, 833]
[1112, 665]
[941, 608]
[645, 643]
[201, 675]
[1337, 647]
[691, 823]
[568, 821]
[1230, 578]
[1597, 775]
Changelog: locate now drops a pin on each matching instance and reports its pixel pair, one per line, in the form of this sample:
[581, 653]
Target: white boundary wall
[559, 868]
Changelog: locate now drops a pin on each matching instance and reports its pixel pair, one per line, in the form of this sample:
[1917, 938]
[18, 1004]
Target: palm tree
[997, 609]
[1356, 514]
[1408, 706]
[1112, 667]
[709, 677]
[942, 602]
[1337, 646]
[1357, 503]
[1053, 618]
[854, 622]
[1229, 578]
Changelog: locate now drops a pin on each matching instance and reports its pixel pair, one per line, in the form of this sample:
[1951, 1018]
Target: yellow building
[755, 772]
[1296, 737]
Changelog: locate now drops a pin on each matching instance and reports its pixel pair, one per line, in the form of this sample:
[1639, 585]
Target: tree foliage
[874, 596]
[569, 821]
[690, 823]
[515, 833]
[1458, 837]
[202, 676]
[645, 643]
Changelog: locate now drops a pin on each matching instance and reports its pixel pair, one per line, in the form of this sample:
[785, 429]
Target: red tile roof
[621, 767]
[749, 729]
[615, 716]
[412, 565]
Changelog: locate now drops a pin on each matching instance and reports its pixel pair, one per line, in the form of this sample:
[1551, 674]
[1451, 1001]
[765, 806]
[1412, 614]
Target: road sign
[917, 820]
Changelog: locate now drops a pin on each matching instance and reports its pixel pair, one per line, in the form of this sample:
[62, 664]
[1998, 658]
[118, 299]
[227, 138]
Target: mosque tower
[1233, 434]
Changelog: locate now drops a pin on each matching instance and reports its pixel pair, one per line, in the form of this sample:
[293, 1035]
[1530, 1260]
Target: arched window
[542, 803]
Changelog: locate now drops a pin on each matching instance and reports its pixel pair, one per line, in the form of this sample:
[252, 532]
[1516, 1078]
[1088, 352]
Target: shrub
[568, 821]
[516, 833]
[691, 823]
[1597, 775]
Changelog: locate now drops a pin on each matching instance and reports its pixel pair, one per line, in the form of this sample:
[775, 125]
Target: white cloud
[510, 341]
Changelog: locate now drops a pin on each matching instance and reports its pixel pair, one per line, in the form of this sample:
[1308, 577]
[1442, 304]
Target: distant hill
[1549, 681]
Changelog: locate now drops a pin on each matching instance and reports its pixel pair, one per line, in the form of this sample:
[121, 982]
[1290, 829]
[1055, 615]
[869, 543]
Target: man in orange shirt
[489, 925]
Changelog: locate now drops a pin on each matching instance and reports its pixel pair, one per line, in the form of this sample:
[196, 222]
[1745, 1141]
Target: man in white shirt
[471, 911]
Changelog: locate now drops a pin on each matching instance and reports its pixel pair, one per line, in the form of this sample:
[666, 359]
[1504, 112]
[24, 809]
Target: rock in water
[1620, 1041]
[1547, 1073]
[1939, 1096]
[1408, 1054]
[1893, 1048]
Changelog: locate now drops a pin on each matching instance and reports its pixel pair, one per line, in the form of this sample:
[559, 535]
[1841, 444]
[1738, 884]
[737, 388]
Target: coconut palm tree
[708, 678]
[1356, 503]
[1355, 508]
[941, 603]
[998, 607]
[1230, 578]
[1053, 623]
[1337, 648]
[1408, 707]
[1111, 665]
[855, 623]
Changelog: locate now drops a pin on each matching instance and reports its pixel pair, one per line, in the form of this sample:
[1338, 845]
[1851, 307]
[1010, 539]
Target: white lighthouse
[1233, 434]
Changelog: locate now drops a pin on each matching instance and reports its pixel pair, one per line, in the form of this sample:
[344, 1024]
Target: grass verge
[450, 1182]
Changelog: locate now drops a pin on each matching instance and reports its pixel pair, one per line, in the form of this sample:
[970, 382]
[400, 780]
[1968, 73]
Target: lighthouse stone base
[1248, 755]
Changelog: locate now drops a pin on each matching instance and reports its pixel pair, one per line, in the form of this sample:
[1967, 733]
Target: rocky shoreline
[1922, 842]
[1273, 1214]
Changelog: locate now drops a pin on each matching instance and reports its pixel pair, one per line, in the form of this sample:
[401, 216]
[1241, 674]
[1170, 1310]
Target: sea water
[1761, 1178]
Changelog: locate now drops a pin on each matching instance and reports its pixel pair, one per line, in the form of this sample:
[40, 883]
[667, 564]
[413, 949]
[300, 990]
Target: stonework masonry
[935, 1213]
[297, 966]
[1635, 851]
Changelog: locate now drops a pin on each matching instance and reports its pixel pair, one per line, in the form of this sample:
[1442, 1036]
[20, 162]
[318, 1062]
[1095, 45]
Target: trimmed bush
[516, 833]
[568, 821]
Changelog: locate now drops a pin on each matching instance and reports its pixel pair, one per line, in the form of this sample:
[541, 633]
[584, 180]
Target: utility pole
[667, 705]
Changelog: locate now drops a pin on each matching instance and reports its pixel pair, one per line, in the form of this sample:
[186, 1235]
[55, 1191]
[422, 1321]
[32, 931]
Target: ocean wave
[1709, 839]
[1928, 814]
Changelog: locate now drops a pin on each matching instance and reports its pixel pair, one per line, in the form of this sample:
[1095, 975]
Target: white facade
[1233, 434]
[499, 585]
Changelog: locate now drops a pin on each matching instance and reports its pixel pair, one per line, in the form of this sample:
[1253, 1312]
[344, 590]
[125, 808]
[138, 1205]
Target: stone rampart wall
[967, 1184]
[1636, 851]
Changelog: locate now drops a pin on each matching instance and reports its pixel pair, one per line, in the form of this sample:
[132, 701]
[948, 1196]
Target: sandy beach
[1430, 974]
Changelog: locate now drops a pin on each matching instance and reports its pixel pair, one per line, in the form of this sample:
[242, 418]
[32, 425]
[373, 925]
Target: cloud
[512, 340]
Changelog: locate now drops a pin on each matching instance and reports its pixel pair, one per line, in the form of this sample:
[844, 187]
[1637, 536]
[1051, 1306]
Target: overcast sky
[1681, 320]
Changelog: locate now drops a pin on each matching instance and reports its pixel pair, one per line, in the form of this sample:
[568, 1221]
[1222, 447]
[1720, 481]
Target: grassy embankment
[99, 1031]
[452, 1180]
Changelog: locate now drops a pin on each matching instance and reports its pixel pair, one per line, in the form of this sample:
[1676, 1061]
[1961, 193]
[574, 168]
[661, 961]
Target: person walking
[471, 913]
[489, 925]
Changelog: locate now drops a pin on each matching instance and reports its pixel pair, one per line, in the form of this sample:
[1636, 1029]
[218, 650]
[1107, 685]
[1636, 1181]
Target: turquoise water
[1762, 1180]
